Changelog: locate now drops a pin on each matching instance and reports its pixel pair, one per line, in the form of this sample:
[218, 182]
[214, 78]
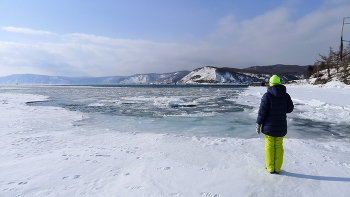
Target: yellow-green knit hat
[274, 80]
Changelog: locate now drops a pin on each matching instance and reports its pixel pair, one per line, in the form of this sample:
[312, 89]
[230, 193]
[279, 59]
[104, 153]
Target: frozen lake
[206, 110]
[156, 141]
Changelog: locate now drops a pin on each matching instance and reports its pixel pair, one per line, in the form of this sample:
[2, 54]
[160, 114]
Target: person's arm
[290, 105]
[263, 109]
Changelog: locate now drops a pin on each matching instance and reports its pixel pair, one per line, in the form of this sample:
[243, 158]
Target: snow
[205, 74]
[46, 152]
[321, 103]
[210, 74]
[134, 79]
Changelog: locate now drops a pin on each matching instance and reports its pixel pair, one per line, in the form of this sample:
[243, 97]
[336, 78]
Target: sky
[126, 37]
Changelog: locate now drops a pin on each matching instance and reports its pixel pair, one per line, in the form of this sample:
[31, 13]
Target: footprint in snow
[171, 194]
[210, 194]
[134, 187]
[164, 168]
[75, 177]
[207, 169]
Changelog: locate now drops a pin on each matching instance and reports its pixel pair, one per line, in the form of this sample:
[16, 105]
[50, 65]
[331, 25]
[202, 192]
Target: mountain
[210, 74]
[43, 79]
[134, 79]
[279, 69]
[166, 78]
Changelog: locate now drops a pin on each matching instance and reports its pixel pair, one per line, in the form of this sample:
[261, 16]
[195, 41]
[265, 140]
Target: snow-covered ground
[44, 152]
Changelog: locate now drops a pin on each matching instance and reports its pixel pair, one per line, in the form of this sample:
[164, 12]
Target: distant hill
[208, 74]
[153, 78]
[43, 79]
[279, 69]
[134, 79]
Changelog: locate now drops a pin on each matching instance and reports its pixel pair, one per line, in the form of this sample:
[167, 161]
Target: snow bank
[48, 151]
[318, 103]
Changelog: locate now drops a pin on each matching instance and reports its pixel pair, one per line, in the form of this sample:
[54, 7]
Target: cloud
[274, 37]
[139, 56]
[271, 38]
[26, 31]
[89, 55]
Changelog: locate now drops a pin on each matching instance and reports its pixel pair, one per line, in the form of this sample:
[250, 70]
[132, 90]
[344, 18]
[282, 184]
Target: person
[272, 122]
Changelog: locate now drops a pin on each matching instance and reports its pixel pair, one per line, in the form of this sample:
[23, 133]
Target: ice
[182, 104]
[96, 105]
[159, 109]
[53, 151]
[319, 105]
[164, 102]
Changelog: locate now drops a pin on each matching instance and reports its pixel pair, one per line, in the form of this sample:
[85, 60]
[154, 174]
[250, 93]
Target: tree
[310, 71]
[329, 61]
[346, 59]
[346, 54]
[333, 60]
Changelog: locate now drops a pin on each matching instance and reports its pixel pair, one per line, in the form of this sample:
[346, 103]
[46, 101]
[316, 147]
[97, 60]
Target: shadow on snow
[321, 178]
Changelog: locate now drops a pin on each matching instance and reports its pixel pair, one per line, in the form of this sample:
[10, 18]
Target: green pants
[273, 153]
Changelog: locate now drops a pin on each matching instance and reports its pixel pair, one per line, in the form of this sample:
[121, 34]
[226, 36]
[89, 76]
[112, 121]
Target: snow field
[47, 152]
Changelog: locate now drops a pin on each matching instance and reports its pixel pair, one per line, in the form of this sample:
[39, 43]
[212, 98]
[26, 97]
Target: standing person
[272, 121]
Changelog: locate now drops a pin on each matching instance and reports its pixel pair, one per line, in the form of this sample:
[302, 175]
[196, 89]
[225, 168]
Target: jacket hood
[277, 90]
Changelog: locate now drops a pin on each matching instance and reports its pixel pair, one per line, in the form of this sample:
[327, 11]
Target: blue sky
[119, 38]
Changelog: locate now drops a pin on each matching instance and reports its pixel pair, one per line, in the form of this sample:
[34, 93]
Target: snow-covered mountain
[166, 78]
[134, 79]
[32, 79]
[43, 79]
[211, 74]
[208, 74]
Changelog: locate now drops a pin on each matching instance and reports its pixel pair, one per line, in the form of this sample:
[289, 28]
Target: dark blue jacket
[272, 115]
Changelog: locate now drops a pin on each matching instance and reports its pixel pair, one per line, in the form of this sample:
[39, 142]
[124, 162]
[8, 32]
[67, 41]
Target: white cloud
[100, 58]
[270, 38]
[274, 38]
[26, 30]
